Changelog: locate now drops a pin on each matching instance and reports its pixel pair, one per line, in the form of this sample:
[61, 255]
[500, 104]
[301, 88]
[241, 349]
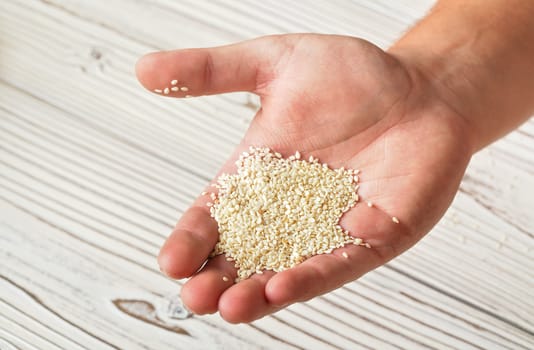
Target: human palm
[346, 102]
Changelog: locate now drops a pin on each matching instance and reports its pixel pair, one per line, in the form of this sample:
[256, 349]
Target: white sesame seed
[370, 204]
[174, 82]
[174, 88]
[225, 279]
[395, 220]
[188, 96]
[204, 193]
[159, 91]
[345, 255]
[166, 91]
[356, 178]
[184, 88]
[274, 213]
[209, 204]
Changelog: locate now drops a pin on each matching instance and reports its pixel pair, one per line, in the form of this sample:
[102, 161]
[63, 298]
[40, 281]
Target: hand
[346, 102]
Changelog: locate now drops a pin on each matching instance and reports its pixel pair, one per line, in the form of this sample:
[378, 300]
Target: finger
[245, 301]
[238, 67]
[189, 245]
[202, 292]
[320, 274]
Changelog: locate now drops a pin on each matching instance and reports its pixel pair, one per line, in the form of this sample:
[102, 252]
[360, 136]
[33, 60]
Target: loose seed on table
[184, 88]
[395, 220]
[345, 255]
[370, 204]
[174, 88]
[225, 279]
[159, 91]
[166, 91]
[174, 82]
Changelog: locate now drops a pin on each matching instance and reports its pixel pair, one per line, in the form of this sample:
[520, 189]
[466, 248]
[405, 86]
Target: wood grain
[94, 172]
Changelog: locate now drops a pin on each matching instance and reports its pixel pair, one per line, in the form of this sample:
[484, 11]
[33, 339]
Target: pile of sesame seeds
[274, 213]
[173, 88]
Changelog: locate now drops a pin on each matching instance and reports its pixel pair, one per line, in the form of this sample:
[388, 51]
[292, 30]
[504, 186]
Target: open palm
[346, 102]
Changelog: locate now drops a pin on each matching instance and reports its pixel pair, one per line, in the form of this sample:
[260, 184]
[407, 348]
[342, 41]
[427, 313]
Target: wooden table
[94, 172]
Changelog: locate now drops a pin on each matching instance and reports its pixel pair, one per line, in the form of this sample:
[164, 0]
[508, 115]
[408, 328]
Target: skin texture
[371, 113]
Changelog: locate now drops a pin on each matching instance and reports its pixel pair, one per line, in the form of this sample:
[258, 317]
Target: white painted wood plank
[94, 171]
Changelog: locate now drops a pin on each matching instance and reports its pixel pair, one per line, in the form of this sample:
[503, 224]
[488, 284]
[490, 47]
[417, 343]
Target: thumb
[245, 66]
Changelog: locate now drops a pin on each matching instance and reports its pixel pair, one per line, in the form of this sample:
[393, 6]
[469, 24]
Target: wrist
[435, 86]
[478, 58]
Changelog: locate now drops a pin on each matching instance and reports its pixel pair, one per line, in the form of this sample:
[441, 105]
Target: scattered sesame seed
[204, 193]
[297, 155]
[225, 279]
[395, 220]
[174, 82]
[174, 88]
[370, 204]
[159, 91]
[166, 91]
[188, 96]
[357, 241]
[356, 178]
[209, 204]
[345, 255]
[356, 172]
[184, 88]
